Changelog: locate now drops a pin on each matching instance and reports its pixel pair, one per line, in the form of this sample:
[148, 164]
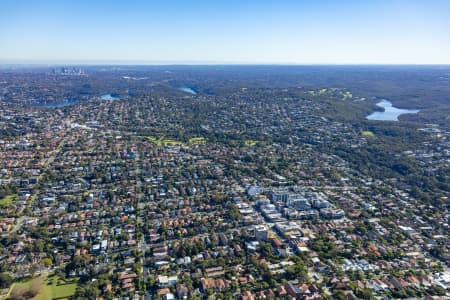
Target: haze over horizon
[225, 32]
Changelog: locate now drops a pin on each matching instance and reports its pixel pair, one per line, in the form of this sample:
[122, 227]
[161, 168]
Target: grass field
[56, 289]
[347, 95]
[250, 143]
[163, 141]
[53, 288]
[197, 141]
[368, 133]
[322, 91]
[24, 285]
[6, 201]
[318, 92]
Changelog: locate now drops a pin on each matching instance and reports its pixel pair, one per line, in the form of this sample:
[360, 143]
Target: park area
[6, 201]
[43, 288]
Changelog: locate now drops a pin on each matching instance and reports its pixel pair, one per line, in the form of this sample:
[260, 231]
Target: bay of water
[56, 104]
[188, 90]
[108, 97]
[390, 112]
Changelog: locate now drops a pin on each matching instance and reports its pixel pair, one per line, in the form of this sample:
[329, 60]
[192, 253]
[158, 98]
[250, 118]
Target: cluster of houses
[96, 191]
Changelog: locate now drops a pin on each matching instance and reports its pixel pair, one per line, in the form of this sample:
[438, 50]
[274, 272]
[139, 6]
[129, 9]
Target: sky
[225, 31]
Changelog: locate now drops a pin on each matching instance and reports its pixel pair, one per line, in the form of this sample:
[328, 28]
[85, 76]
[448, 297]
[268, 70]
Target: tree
[266, 249]
[87, 292]
[5, 280]
[365, 294]
[339, 294]
[436, 290]
[298, 270]
[47, 262]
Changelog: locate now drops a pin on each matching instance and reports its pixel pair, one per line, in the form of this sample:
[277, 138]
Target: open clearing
[368, 133]
[6, 201]
[53, 288]
[197, 141]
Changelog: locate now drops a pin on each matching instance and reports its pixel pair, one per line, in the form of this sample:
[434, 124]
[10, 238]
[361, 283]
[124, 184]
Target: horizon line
[204, 63]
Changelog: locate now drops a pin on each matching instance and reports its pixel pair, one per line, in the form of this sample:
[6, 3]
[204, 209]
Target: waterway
[109, 97]
[188, 90]
[106, 97]
[390, 113]
[56, 104]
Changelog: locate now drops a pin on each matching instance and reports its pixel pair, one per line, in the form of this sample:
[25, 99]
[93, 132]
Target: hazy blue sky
[225, 31]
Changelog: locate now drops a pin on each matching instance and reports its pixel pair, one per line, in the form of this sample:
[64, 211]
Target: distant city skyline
[225, 32]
